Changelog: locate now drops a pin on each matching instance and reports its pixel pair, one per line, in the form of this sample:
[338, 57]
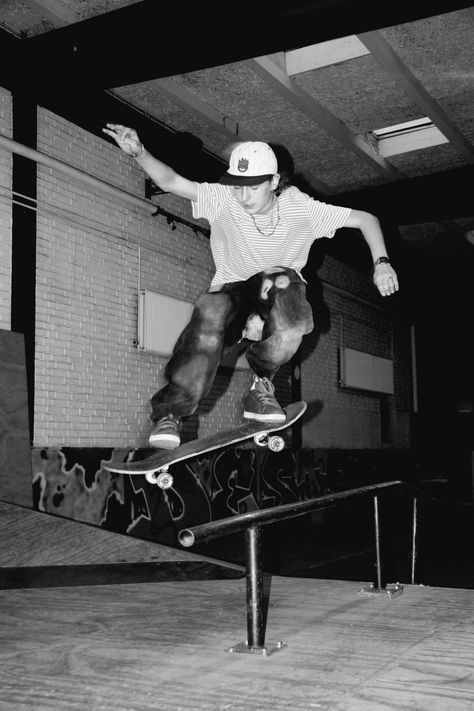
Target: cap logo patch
[243, 165]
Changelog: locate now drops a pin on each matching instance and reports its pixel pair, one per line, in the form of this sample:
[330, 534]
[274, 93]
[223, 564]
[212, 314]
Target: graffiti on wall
[72, 482]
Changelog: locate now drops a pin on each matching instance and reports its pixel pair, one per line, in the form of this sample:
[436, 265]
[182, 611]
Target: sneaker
[165, 434]
[260, 402]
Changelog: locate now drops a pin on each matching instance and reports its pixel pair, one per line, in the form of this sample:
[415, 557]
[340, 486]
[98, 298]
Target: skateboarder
[261, 234]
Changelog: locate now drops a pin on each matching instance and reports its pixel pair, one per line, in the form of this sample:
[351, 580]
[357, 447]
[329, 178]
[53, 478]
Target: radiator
[363, 371]
[161, 319]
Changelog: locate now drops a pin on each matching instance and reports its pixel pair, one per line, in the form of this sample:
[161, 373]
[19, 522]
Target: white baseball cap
[250, 163]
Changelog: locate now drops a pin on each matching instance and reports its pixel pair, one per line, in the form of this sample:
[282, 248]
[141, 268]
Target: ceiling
[192, 80]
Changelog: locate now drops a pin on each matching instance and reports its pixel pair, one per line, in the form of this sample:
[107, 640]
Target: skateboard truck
[163, 478]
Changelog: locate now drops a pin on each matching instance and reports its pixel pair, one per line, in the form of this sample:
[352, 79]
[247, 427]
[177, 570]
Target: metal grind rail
[250, 524]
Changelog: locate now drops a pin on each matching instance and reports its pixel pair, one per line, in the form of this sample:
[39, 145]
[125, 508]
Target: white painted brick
[5, 213]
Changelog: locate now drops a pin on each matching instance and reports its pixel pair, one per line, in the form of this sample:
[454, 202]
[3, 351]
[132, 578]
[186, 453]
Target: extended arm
[385, 277]
[161, 174]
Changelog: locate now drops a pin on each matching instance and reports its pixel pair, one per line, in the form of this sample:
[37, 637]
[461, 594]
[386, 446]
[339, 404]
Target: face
[256, 199]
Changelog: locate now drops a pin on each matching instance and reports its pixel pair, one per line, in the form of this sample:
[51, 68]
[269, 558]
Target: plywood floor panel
[163, 646]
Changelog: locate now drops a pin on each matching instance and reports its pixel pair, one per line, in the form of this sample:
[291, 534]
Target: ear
[275, 180]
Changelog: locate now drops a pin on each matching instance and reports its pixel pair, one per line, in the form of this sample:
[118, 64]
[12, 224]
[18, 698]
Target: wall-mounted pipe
[74, 173]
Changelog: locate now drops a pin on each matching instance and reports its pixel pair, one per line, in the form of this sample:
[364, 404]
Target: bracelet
[138, 155]
[382, 260]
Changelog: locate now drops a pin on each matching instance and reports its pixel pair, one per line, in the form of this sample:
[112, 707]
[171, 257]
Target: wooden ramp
[162, 645]
[15, 457]
[34, 538]
[41, 550]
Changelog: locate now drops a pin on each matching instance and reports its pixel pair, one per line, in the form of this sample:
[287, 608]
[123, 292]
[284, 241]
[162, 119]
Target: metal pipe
[233, 524]
[377, 543]
[414, 368]
[413, 540]
[15, 147]
[254, 579]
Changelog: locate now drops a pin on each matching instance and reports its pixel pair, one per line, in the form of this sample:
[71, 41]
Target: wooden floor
[162, 645]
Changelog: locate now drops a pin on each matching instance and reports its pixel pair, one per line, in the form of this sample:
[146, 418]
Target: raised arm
[162, 175]
[385, 277]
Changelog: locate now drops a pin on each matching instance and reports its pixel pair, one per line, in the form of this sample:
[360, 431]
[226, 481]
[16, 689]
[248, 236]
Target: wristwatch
[382, 260]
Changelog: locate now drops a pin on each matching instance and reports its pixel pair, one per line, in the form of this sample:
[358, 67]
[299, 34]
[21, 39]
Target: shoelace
[169, 419]
[265, 396]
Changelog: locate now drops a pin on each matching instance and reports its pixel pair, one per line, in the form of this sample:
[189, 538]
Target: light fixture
[405, 137]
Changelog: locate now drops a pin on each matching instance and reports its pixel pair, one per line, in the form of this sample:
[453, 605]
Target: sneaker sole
[276, 417]
[164, 442]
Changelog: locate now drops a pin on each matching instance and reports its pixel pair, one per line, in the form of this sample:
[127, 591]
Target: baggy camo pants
[269, 309]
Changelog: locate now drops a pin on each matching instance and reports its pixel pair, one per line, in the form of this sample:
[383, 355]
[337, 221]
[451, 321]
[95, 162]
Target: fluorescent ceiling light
[406, 137]
[398, 128]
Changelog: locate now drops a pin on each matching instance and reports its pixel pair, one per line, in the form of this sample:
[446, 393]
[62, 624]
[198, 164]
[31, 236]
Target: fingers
[386, 281]
[126, 138]
[119, 132]
[113, 129]
[390, 286]
[116, 128]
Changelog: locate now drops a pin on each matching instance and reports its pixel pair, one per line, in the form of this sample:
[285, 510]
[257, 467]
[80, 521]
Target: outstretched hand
[126, 138]
[385, 279]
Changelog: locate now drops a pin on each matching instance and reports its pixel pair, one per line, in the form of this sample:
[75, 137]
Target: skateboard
[156, 467]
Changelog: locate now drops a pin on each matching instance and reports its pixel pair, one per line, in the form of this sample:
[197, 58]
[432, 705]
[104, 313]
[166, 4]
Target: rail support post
[414, 539]
[255, 643]
[390, 589]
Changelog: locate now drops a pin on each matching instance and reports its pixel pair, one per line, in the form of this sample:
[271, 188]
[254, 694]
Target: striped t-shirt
[240, 250]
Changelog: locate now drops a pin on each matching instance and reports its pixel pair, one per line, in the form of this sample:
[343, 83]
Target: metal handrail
[240, 522]
[251, 523]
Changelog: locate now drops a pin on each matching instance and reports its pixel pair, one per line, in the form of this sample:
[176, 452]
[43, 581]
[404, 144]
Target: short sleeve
[211, 198]
[325, 218]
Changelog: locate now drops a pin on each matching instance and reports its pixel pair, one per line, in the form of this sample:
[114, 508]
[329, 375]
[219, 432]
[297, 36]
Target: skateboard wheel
[164, 480]
[261, 439]
[276, 444]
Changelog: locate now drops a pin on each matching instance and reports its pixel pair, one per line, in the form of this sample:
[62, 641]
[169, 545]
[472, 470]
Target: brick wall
[5, 212]
[352, 316]
[96, 251]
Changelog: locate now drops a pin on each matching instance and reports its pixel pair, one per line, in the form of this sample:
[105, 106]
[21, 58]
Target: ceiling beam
[56, 11]
[389, 60]
[277, 78]
[60, 14]
[191, 103]
[91, 110]
[133, 56]
[149, 40]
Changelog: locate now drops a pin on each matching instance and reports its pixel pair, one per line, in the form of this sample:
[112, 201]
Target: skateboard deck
[155, 467]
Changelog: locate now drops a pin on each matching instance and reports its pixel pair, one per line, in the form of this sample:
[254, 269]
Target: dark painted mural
[72, 482]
